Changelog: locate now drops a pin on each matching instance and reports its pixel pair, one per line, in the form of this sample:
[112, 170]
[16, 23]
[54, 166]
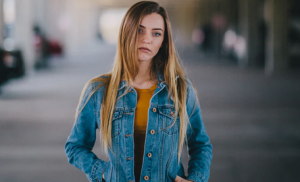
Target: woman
[146, 108]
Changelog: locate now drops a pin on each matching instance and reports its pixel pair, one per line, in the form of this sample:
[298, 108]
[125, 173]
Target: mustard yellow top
[140, 126]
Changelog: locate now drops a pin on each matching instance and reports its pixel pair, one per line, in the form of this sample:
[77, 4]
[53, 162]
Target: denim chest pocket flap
[167, 116]
[116, 123]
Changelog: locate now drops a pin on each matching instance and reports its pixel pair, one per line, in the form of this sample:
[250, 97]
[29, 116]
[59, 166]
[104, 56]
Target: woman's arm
[82, 139]
[199, 146]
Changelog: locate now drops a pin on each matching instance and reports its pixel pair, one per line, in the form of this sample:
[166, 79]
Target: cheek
[157, 45]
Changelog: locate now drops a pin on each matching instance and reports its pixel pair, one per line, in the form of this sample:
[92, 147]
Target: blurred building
[258, 33]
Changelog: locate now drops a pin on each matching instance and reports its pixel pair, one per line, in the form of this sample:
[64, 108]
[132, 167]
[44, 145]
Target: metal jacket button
[149, 155]
[154, 109]
[172, 113]
[152, 132]
[146, 178]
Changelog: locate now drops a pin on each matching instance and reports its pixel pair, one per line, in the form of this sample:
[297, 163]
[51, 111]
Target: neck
[144, 72]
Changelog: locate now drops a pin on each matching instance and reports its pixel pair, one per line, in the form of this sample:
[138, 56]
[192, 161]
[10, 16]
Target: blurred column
[39, 9]
[186, 22]
[82, 26]
[23, 31]
[1, 22]
[183, 19]
[277, 17]
[250, 16]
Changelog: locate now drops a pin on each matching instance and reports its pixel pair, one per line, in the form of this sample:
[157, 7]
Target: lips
[144, 49]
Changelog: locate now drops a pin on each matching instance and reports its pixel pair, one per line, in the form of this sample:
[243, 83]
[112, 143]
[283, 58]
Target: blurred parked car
[11, 65]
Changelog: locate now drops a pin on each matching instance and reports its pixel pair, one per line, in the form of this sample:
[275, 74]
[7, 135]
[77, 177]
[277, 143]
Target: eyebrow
[153, 28]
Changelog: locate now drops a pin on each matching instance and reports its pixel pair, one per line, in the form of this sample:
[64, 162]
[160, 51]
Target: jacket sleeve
[199, 146]
[82, 138]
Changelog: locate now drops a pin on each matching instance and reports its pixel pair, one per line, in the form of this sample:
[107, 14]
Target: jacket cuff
[98, 169]
[196, 177]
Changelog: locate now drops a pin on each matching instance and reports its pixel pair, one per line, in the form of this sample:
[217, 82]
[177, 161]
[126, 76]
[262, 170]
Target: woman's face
[150, 36]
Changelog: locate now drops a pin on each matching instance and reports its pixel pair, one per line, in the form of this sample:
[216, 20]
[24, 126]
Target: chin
[145, 58]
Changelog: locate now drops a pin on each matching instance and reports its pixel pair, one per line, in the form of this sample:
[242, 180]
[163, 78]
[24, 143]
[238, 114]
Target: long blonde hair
[126, 67]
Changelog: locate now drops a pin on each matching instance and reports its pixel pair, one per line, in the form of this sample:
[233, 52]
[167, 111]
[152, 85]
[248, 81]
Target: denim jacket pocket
[166, 116]
[116, 123]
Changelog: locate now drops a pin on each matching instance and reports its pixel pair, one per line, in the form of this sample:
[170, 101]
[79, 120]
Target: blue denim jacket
[161, 165]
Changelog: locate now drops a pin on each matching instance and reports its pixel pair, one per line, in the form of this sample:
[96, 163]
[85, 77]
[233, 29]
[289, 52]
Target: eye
[157, 34]
[140, 30]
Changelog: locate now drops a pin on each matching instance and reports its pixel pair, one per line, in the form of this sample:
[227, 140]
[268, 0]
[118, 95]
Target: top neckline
[153, 87]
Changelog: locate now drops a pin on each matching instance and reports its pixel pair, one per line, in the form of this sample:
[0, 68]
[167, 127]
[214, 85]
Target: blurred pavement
[253, 120]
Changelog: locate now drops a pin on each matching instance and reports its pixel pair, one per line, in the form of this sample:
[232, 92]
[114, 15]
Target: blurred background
[242, 55]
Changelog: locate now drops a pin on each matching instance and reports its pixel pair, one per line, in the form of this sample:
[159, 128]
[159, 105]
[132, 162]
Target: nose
[146, 41]
[147, 38]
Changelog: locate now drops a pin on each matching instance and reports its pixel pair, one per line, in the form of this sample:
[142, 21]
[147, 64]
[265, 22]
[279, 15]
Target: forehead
[153, 20]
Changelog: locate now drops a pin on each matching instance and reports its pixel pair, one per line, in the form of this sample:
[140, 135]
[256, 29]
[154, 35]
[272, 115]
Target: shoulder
[98, 81]
[191, 95]
[96, 84]
[189, 85]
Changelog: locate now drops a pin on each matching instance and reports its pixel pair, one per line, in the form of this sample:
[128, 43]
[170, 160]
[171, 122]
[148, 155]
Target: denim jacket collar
[160, 77]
